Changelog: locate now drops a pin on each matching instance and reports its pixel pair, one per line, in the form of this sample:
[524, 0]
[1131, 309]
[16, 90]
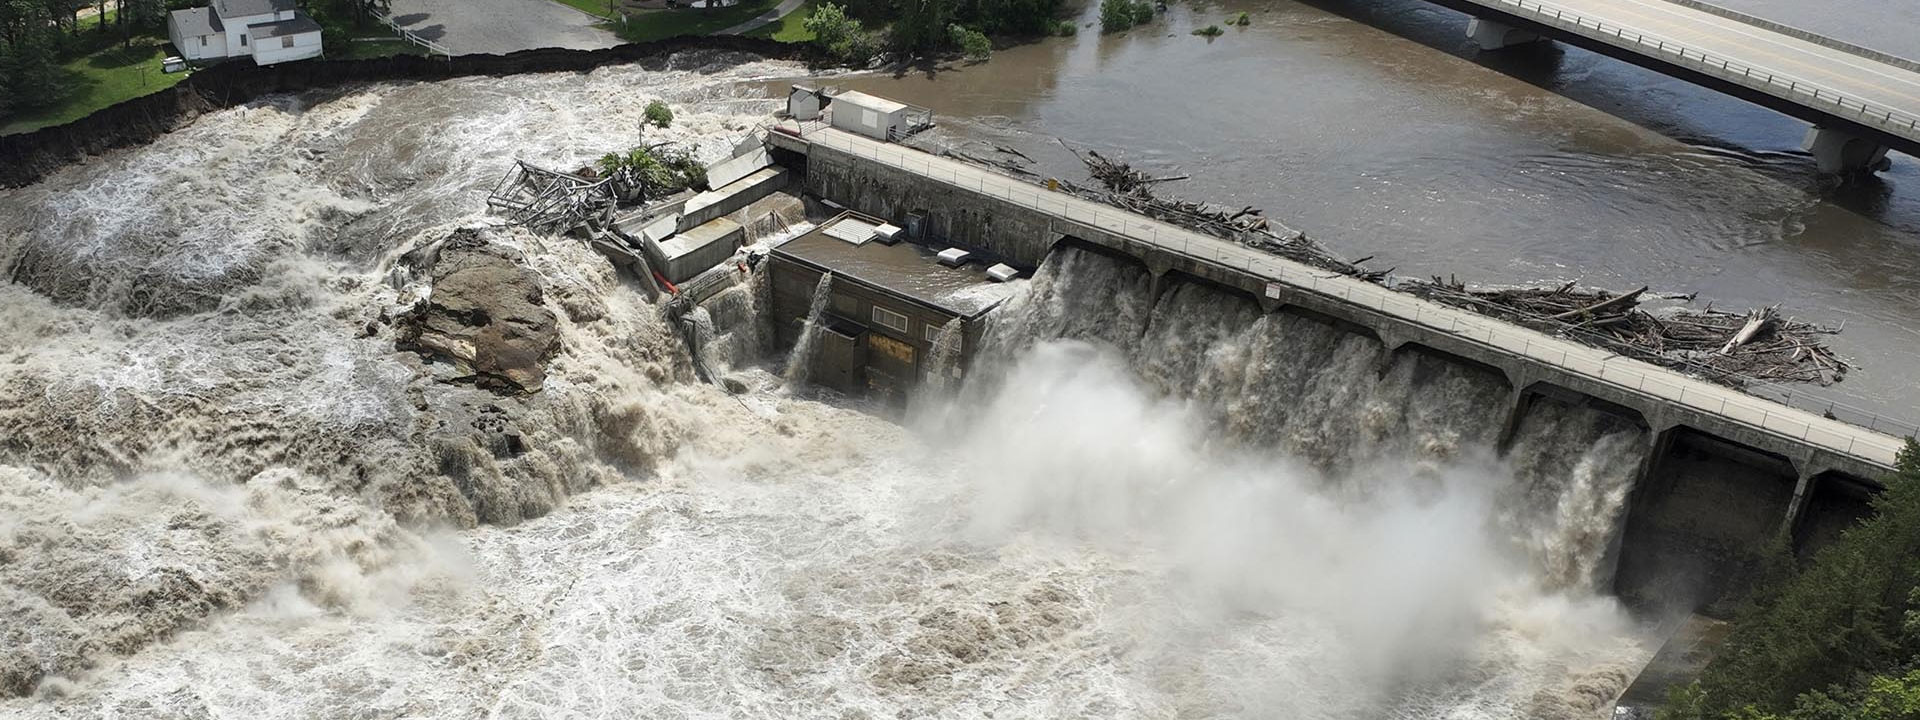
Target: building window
[203, 41]
[243, 41]
[889, 319]
[286, 41]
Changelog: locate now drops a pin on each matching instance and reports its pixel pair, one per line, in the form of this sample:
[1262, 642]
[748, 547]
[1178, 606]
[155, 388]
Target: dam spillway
[1723, 472]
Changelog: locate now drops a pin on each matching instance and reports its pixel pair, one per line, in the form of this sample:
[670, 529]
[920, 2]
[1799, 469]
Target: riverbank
[27, 157]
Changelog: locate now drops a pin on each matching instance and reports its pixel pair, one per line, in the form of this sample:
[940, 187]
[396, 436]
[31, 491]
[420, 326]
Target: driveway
[501, 26]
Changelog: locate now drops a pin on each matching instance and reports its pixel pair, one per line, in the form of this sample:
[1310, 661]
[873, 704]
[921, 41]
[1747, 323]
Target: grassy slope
[789, 28]
[599, 8]
[100, 78]
[657, 24]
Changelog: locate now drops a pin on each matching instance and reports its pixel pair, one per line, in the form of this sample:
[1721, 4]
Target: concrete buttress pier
[1727, 472]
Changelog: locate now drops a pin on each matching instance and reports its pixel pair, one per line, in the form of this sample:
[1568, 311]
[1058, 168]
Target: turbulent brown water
[224, 494]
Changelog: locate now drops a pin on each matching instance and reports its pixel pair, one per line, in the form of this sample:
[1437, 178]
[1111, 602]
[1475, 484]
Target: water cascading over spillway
[800, 361]
[1337, 400]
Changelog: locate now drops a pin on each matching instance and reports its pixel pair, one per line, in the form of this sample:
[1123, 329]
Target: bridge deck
[1882, 95]
[1627, 374]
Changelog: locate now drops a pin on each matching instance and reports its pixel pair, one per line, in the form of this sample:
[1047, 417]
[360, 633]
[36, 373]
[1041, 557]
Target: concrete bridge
[1861, 102]
[1728, 472]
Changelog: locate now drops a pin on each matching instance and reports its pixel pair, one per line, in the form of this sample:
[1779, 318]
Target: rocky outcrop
[26, 157]
[485, 313]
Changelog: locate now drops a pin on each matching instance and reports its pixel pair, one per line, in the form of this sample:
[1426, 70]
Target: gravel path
[501, 26]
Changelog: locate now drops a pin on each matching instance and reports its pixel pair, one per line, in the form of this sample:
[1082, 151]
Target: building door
[892, 366]
[838, 363]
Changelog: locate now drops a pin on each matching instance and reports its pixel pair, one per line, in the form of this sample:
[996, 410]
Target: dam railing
[1796, 419]
[1798, 90]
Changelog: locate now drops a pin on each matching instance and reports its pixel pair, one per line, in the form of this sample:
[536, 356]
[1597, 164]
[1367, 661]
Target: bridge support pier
[1490, 35]
[1840, 152]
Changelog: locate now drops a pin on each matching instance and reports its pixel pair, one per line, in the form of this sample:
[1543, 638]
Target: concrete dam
[1706, 477]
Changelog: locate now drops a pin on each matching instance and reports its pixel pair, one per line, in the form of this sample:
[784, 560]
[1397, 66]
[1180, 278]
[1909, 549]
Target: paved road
[1801, 64]
[501, 26]
[779, 11]
[1631, 375]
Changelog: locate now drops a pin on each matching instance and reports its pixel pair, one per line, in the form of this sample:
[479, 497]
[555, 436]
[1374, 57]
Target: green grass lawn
[658, 24]
[101, 78]
[790, 28]
[599, 8]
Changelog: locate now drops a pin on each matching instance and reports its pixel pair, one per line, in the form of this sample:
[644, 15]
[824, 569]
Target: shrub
[1210, 31]
[1065, 28]
[658, 114]
[1142, 12]
[1241, 20]
[972, 42]
[1116, 15]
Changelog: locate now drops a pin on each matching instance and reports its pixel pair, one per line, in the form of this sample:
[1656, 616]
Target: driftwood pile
[1725, 347]
[1128, 188]
[1732, 349]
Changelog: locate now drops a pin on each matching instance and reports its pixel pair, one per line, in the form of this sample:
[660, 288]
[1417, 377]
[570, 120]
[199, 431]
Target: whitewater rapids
[224, 494]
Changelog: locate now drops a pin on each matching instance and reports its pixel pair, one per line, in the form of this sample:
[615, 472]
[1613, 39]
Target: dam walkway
[1860, 101]
[1859, 449]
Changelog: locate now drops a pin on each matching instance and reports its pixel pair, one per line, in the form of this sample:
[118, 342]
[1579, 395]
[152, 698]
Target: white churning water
[223, 494]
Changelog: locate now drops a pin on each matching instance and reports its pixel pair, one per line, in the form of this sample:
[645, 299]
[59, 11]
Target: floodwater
[1377, 128]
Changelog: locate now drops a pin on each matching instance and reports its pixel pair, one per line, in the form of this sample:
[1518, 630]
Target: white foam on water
[233, 502]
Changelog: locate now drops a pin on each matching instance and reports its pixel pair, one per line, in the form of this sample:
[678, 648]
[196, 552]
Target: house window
[286, 41]
[932, 333]
[889, 319]
[243, 41]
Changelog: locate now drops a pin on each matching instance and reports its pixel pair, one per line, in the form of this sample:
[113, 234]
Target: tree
[972, 42]
[1839, 639]
[922, 24]
[31, 73]
[843, 37]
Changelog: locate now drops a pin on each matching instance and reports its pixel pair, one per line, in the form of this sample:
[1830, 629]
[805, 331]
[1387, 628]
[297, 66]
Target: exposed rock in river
[486, 314]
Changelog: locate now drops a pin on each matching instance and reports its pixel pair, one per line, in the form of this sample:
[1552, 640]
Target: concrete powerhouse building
[888, 305]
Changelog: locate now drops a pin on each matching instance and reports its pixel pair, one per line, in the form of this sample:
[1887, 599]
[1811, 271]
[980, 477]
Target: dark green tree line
[1838, 640]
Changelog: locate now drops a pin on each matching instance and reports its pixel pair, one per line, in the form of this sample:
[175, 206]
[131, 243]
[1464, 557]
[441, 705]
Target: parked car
[173, 64]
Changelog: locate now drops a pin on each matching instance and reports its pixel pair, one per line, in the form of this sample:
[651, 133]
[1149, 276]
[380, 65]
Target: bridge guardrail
[1875, 115]
[1613, 369]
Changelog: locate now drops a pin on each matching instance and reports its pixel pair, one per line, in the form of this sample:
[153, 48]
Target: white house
[269, 31]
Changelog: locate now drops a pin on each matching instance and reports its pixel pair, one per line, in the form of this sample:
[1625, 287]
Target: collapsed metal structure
[550, 200]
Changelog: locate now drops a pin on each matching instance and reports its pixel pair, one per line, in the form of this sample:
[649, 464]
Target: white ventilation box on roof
[888, 233]
[851, 230]
[1002, 272]
[954, 257]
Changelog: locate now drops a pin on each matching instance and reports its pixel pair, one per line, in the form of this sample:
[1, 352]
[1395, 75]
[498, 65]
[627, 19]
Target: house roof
[905, 269]
[299, 24]
[194, 22]
[244, 8]
[870, 102]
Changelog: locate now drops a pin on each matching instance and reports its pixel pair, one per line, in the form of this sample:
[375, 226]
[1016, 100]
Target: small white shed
[803, 102]
[874, 117]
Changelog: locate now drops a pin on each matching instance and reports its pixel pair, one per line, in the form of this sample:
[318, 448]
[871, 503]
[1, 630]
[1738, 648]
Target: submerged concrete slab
[733, 196]
[690, 253]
